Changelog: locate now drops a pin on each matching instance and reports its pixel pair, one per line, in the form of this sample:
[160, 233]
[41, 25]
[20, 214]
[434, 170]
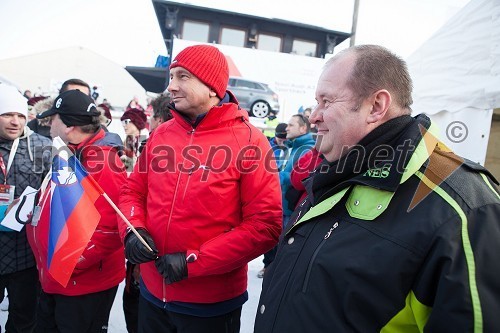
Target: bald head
[374, 68]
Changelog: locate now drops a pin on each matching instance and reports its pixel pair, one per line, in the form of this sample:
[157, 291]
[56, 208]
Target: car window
[260, 86]
[245, 84]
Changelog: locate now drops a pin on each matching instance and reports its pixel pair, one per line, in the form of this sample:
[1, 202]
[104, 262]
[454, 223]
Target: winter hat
[74, 107]
[107, 113]
[207, 63]
[137, 117]
[11, 100]
[33, 100]
[280, 131]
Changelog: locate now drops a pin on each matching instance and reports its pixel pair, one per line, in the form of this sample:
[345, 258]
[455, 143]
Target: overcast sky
[127, 31]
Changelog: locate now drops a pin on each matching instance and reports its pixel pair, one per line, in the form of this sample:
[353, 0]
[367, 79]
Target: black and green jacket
[389, 250]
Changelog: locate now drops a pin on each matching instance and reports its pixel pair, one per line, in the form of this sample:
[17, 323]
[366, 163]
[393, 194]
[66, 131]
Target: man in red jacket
[85, 303]
[205, 195]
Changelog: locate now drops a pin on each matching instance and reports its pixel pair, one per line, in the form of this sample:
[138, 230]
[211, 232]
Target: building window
[269, 43]
[304, 47]
[195, 31]
[233, 37]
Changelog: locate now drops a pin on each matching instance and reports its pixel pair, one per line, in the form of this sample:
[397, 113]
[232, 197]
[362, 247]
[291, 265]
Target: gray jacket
[31, 164]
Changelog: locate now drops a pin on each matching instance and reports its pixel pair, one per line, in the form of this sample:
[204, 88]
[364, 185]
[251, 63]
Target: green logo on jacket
[382, 172]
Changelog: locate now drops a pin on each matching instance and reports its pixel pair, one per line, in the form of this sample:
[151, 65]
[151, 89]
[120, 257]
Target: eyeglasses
[125, 122]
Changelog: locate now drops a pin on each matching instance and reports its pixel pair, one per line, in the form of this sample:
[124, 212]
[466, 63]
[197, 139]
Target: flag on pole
[73, 215]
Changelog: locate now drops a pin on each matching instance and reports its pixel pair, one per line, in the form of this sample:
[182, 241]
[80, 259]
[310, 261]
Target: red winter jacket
[104, 264]
[204, 191]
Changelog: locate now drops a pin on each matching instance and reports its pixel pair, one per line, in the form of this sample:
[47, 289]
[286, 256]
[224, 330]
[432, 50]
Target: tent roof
[45, 72]
[459, 66]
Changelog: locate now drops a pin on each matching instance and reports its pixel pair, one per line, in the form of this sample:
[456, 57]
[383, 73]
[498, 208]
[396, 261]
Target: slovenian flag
[73, 216]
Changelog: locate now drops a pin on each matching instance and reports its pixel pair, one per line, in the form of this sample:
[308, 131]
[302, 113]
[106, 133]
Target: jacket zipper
[179, 176]
[191, 133]
[291, 224]
[311, 262]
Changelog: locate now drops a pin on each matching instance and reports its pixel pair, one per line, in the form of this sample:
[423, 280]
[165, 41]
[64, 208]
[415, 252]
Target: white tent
[45, 72]
[456, 76]
[5, 80]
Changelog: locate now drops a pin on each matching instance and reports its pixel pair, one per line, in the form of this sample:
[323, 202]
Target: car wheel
[260, 109]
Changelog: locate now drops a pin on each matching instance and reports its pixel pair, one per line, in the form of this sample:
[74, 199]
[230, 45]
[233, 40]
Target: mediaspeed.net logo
[436, 171]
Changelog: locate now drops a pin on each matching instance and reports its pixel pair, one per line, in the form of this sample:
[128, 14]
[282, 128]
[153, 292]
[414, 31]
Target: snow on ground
[117, 321]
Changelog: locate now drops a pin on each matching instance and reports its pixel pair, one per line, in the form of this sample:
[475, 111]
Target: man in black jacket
[398, 233]
[24, 161]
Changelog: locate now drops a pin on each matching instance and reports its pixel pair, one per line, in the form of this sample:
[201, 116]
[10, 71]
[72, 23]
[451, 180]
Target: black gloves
[173, 267]
[136, 252]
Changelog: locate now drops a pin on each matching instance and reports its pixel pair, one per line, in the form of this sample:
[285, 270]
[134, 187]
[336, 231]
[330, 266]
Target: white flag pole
[124, 218]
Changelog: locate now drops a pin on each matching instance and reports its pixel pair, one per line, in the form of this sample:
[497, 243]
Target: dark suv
[256, 97]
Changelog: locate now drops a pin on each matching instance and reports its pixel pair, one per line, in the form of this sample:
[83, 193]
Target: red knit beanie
[33, 100]
[137, 117]
[107, 112]
[207, 63]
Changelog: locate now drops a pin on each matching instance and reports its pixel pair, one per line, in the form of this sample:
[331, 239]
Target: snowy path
[117, 321]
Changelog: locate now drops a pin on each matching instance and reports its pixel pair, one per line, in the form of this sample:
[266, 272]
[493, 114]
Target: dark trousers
[269, 256]
[131, 300]
[23, 288]
[155, 319]
[75, 314]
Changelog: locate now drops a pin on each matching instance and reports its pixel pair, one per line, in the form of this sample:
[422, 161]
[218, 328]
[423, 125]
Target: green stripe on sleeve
[469, 255]
[489, 184]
